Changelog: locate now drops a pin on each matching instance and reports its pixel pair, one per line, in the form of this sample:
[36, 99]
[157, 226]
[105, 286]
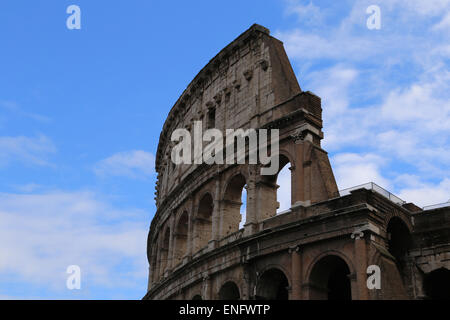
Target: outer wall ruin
[322, 246]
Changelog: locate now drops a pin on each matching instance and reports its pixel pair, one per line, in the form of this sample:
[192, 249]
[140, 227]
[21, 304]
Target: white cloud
[306, 13]
[385, 94]
[42, 234]
[419, 7]
[444, 24]
[27, 188]
[352, 169]
[25, 149]
[14, 107]
[424, 194]
[132, 164]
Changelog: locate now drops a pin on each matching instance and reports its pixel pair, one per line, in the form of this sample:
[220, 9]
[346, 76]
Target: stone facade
[318, 249]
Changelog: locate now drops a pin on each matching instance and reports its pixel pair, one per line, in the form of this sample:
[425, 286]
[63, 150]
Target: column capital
[295, 248]
[357, 235]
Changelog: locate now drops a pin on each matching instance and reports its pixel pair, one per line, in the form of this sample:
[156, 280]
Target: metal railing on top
[374, 187]
[437, 206]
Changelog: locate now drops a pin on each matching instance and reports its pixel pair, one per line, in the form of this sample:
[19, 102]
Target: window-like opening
[436, 284]
[154, 262]
[203, 222]
[272, 285]
[181, 234]
[284, 190]
[329, 280]
[232, 203]
[243, 208]
[229, 291]
[197, 297]
[399, 241]
[164, 251]
[211, 118]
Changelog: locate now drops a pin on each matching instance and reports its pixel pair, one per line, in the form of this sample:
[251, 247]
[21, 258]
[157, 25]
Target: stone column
[206, 288]
[157, 262]
[296, 273]
[297, 170]
[171, 245]
[360, 258]
[190, 244]
[266, 200]
[216, 234]
[251, 220]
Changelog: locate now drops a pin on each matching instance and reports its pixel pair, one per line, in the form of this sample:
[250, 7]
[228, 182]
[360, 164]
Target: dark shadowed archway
[229, 291]
[164, 251]
[399, 241]
[437, 284]
[272, 285]
[329, 279]
[181, 238]
[203, 222]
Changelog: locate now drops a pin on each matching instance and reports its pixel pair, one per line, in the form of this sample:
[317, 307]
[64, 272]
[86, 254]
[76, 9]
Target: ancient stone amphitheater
[322, 246]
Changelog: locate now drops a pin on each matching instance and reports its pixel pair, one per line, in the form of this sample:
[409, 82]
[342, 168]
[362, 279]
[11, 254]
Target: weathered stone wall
[195, 246]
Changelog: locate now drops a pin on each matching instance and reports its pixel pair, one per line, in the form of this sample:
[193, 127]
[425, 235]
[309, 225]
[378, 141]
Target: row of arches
[329, 279]
[192, 232]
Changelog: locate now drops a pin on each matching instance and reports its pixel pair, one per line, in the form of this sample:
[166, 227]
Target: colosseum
[326, 246]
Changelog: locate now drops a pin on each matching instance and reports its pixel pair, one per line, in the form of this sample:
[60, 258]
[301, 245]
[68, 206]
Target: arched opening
[164, 251]
[437, 284]
[181, 234]
[231, 205]
[203, 222]
[243, 208]
[272, 285]
[399, 241]
[229, 291]
[329, 280]
[272, 197]
[154, 262]
[197, 297]
[284, 181]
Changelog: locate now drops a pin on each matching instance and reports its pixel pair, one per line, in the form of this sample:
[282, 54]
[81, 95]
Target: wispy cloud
[306, 13]
[42, 234]
[385, 93]
[133, 164]
[14, 107]
[353, 169]
[34, 150]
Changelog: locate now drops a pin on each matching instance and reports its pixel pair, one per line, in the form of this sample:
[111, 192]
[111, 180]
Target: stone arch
[229, 290]
[269, 188]
[283, 153]
[399, 240]
[329, 279]
[181, 237]
[164, 251]
[272, 284]
[231, 204]
[203, 221]
[399, 215]
[436, 284]
[197, 297]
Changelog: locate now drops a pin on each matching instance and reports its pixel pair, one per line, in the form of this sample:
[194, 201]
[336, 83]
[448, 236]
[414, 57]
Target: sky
[81, 112]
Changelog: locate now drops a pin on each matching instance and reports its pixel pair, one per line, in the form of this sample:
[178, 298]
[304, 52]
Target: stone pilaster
[360, 258]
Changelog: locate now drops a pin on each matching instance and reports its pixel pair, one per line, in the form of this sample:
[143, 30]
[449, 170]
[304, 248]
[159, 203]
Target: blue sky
[81, 112]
